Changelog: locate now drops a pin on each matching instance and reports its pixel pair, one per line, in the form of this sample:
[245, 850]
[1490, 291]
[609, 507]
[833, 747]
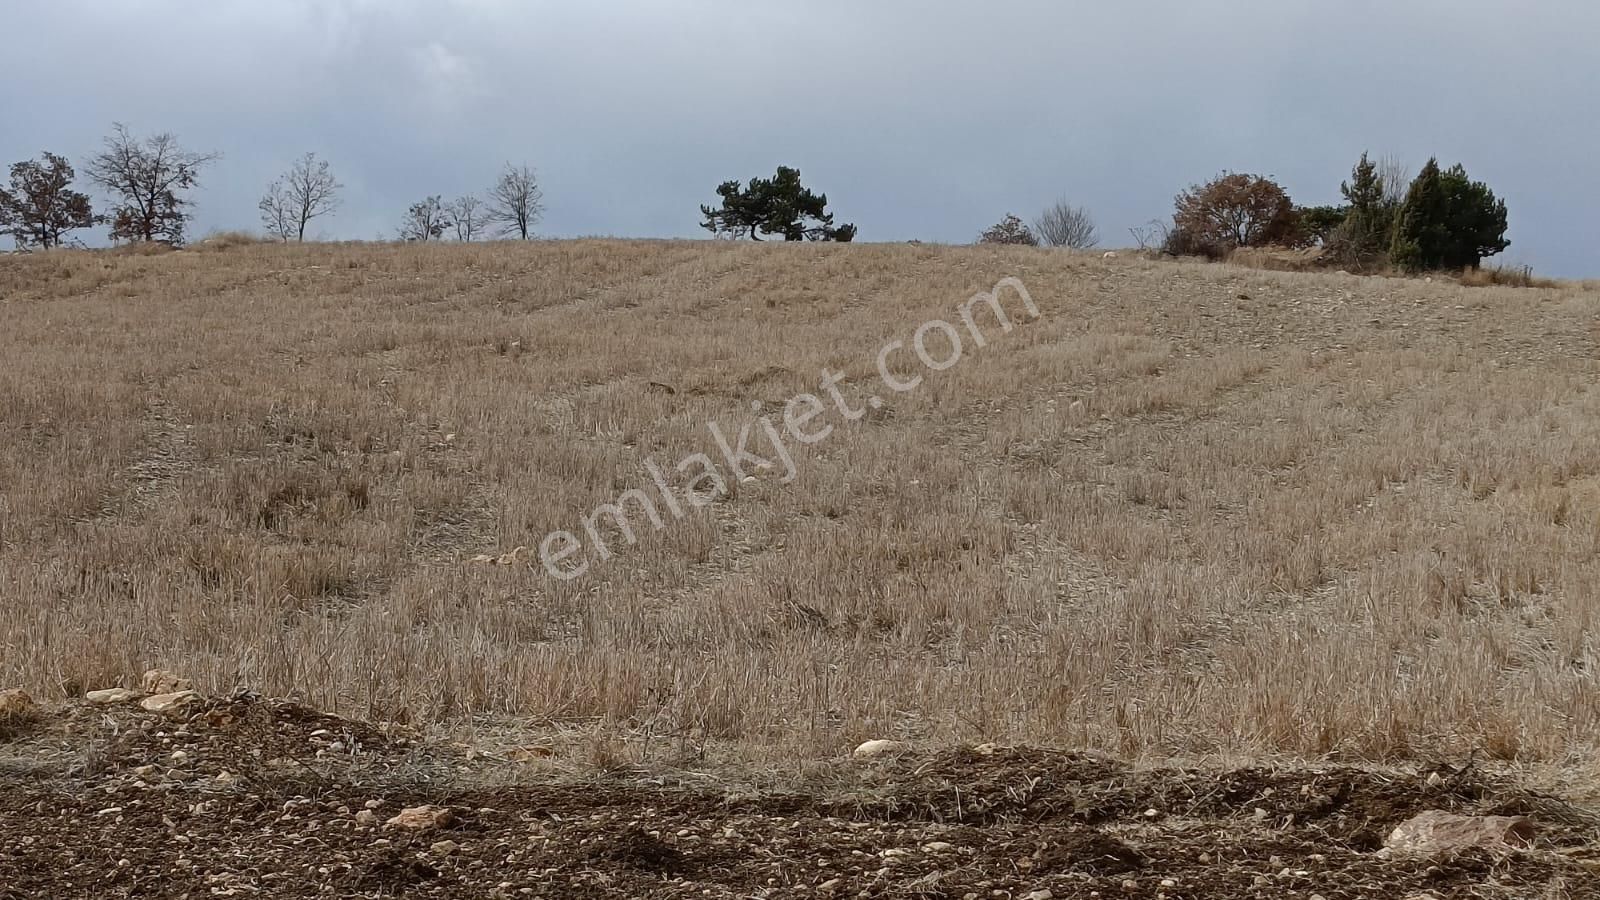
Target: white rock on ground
[160, 681]
[171, 702]
[880, 747]
[420, 817]
[113, 696]
[1436, 831]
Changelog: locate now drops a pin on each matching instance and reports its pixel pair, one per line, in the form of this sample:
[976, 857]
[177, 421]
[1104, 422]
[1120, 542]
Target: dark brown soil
[263, 800]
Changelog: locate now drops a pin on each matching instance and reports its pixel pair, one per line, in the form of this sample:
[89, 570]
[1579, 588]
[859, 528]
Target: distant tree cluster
[147, 180]
[1439, 220]
[1060, 225]
[514, 206]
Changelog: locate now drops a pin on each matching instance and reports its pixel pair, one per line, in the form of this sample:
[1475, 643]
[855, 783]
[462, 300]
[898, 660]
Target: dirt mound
[247, 797]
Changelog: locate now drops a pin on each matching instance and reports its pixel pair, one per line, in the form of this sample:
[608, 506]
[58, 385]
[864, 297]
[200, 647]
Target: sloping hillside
[718, 512]
[1184, 510]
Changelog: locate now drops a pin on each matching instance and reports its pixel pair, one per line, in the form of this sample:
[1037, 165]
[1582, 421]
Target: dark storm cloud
[920, 120]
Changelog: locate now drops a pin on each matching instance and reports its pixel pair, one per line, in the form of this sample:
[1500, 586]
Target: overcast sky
[928, 119]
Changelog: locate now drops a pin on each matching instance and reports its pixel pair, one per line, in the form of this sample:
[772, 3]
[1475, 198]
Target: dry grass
[1505, 276]
[1279, 259]
[1312, 515]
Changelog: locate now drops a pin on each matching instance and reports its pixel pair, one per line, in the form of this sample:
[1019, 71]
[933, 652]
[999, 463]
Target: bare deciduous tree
[307, 191]
[1065, 225]
[1395, 176]
[41, 205]
[275, 215]
[424, 221]
[146, 179]
[516, 203]
[466, 215]
[1150, 235]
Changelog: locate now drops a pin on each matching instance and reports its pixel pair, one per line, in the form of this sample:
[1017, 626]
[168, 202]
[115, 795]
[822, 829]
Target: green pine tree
[1419, 235]
[1448, 221]
[1368, 228]
[1477, 220]
[778, 205]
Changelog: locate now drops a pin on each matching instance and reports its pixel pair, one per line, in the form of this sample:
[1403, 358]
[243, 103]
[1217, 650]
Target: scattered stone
[938, 847]
[423, 817]
[170, 702]
[444, 848]
[112, 696]
[873, 748]
[160, 681]
[1436, 831]
[15, 703]
[366, 818]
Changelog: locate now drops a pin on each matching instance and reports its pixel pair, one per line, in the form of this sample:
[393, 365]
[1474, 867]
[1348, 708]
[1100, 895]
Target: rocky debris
[875, 748]
[113, 696]
[170, 702]
[980, 822]
[161, 681]
[422, 818]
[16, 704]
[1435, 831]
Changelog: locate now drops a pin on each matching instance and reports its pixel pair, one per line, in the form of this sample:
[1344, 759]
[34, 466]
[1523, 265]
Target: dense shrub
[1231, 211]
[1010, 230]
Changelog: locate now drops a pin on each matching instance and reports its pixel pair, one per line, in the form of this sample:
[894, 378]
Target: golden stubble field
[1188, 510]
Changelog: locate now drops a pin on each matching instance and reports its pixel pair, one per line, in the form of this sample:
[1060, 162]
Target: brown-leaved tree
[1231, 211]
[41, 207]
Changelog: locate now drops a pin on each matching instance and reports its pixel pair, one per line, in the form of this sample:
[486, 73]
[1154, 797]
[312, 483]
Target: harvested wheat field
[1269, 561]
